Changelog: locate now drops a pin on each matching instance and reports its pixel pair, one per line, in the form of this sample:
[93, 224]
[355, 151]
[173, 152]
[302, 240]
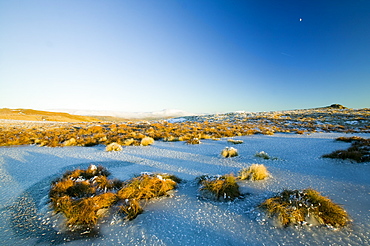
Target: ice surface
[183, 218]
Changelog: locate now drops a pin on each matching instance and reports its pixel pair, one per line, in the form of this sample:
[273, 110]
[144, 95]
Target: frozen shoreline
[184, 219]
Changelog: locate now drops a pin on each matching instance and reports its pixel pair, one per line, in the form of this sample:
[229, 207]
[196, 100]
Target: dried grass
[234, 141]
[254, 172]
[229, 152]
[146, 141]
[359, 150]
[298, 207]
[113, 147]
[219, 188]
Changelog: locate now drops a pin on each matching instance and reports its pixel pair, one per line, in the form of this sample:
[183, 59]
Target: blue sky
[198, 56]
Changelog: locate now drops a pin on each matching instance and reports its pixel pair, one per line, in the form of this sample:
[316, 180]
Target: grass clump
[146, 141]
[229, 152]
[219, 188]
[234, 141]
[113, 147]
[145, 186]
[85, 196]
[193, 141]
[264, 155]
[254, 172]
[292, 207]
[359, 150]
[77, 196]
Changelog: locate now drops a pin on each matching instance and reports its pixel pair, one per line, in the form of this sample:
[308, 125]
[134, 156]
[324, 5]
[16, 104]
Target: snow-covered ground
[184, 219]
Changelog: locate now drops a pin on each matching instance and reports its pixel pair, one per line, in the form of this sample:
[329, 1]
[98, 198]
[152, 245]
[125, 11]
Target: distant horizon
[92, 112]
[196, 56]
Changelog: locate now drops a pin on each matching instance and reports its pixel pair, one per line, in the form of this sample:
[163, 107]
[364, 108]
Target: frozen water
[183, 218]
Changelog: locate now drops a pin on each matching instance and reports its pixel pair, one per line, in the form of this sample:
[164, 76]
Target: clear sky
[199, 56]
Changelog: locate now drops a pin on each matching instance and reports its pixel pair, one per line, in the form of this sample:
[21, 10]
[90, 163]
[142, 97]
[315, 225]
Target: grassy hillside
[37, 115]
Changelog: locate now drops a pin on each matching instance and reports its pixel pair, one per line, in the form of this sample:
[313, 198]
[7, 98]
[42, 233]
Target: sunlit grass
[229, 152]
[308, 206]
[254, 172]
[83, 196]
[219, 188]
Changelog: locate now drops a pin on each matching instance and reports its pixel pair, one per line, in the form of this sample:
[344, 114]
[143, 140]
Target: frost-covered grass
[359, 150]
[229, 152]
[264, 155]
[113, 147]
[80, 194]
[219, 188]
[84, 196]
[235, 141]
[254, 172]
[306, 206]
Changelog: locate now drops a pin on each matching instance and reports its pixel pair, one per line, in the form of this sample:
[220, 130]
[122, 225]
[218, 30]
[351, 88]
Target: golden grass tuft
[229, 152]
[113, 147]
[146, 141]
[254, 172]
[79, 197]
[219, 188]
[70, 142]
[132, 208]
[128, 142]
[146, 186]
[298, 207]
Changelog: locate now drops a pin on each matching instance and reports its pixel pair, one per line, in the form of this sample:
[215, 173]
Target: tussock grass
[234, 141]
[113, 147]
[76, 195]
[265, 156]
[254, 172]
[146, 141]
[350, 139]
[193, 141]
[219, 188]
[128, 142]
[146, 186]
[262, 155]
[70, 142]
[229, 152]
[359, 150]
[84, 196]
[131, 208]
[292, 207]
[201, 127]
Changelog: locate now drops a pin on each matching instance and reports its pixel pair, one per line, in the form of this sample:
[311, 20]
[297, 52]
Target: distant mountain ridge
[163, 114]
[39, 115]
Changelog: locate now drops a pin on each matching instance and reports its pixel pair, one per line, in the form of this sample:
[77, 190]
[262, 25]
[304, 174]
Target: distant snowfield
[184, 219]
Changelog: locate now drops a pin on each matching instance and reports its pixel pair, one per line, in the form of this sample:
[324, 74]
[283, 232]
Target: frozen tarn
[184, 219]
